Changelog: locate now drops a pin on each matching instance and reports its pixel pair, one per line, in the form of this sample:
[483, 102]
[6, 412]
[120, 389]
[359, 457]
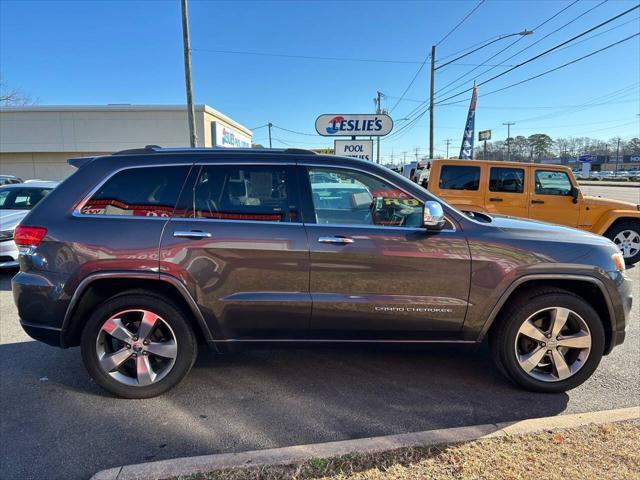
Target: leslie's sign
[339, 125]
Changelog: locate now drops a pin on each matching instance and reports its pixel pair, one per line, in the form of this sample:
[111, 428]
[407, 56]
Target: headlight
[618, 260]
[6, 235]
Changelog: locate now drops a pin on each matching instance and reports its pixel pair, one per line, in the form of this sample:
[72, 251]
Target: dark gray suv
[141, 256]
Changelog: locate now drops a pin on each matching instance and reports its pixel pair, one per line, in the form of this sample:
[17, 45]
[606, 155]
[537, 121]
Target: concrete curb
[609, 184]
[287, 455]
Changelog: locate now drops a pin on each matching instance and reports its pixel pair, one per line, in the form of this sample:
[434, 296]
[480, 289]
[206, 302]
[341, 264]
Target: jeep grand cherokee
[141, 256]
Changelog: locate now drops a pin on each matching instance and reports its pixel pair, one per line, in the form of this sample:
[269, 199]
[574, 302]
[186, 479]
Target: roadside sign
[346, 125]
[586, 158]
[354, 148]
[484, 135]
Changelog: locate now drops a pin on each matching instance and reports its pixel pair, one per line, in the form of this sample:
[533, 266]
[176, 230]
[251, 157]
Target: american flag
[466, 150]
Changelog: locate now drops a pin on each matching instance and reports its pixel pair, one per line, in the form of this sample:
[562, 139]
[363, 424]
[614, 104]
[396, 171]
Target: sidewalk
[594, 441]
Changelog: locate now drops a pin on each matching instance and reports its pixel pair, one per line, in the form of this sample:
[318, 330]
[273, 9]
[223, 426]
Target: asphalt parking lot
[55, 423]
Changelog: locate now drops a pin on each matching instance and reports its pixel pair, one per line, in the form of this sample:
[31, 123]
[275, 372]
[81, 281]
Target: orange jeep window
[459, 177]
[506, 180]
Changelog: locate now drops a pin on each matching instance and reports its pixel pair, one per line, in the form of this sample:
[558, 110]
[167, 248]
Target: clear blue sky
[99, 52]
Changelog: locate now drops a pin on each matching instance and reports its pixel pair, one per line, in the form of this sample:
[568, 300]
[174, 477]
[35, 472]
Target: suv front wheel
[137, 345]
[548, 340]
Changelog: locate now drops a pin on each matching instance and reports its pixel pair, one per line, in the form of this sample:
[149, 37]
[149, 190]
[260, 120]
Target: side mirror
[575, 193]
[433, 216]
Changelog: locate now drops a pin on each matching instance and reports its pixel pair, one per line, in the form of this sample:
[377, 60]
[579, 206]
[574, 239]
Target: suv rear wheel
[137, 345]
[548, 341]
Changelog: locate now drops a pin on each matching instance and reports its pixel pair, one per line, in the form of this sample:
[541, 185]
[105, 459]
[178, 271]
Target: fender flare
[532, 277]
[162, 277]
[609, 218]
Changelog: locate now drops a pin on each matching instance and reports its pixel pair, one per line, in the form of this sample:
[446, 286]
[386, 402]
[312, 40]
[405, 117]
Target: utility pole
[447, 141]
[378, 111]
[270, 125]
[523, 33]
[417, 154]
[617, 155]
[431, 95]
[187, 75]
[508, 124]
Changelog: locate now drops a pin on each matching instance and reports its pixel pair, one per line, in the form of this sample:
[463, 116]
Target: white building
[36, 141]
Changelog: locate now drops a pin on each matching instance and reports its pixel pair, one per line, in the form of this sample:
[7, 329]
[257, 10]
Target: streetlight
[523, 33]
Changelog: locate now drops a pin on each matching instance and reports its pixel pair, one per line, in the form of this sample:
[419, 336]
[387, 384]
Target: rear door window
[506, 180]
[459, 177]
[241, 192]
[139, 192]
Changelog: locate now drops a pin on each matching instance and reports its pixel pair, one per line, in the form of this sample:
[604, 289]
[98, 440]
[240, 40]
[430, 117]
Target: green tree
[539, 145]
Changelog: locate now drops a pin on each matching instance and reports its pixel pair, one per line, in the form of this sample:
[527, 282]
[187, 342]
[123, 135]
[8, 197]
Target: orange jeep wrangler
[543, 192]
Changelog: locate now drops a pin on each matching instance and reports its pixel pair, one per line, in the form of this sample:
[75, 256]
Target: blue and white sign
[343, 125]
[586, 158]
[223, 136]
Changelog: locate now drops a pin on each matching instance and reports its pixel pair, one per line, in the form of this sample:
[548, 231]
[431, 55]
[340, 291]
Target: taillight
[28, 236]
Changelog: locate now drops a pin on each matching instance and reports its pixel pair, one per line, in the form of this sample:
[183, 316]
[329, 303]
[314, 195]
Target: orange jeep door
[505, 193]
[551, 199]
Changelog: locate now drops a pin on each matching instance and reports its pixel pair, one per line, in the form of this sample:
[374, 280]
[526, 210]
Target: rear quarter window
[138, 192]
[459, 177]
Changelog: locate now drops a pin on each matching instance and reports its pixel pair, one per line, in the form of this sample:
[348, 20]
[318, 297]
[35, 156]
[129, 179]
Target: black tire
[503, 337]
[185, 341]
[632, 225]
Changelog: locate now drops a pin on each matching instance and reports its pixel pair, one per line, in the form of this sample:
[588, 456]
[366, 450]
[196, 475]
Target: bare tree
[13, 96]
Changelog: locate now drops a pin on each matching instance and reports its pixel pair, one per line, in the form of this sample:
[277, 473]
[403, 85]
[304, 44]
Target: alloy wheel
[553, 344]
[136, 347]
[628, 241]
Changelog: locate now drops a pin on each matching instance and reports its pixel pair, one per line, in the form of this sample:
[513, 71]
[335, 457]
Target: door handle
[191, 234]
[493, 199]
[337, 239]
[538, 202]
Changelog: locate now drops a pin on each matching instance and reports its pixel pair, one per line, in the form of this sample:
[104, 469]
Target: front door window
[345, 197]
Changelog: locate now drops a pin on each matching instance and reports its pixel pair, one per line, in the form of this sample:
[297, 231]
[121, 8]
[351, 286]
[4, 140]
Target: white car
[15, 202]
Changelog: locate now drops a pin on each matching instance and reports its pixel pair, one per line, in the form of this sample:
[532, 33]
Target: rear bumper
[48, 335]
[41, 305]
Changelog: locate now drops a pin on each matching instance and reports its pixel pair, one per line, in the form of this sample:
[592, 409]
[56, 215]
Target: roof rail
[157, 149]
[299, 151]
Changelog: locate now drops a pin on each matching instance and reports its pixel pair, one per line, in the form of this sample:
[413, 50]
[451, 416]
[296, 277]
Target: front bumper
[622, 303]
[8, 254]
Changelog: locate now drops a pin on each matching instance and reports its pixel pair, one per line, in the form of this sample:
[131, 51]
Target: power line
[410, 83]
[546, 52]
[295, 131]
[537, 41]
[563, 65]
[429, 56]
[461, 22]
[305, 57]
[507, 47]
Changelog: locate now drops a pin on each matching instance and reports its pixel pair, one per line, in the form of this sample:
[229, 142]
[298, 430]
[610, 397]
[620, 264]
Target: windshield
[21, 198]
